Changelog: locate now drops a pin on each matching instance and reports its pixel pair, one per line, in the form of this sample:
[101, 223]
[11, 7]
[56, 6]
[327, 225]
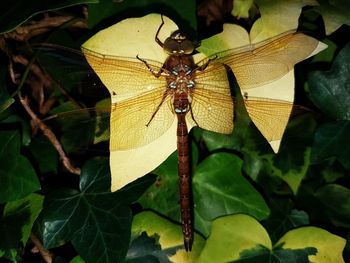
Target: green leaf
[17, 176]
[283, 218]
[77, 259]
[16, 223]
[220, 189]
[261, 254]
[96, 221]
[292, 162]
[145, 249]
[334, 13]
[163, 196]
[241, 8]
[165, 233]
[72, 138]
[15, 13]
[335, 203]
[329, 246]
[329, 142]
[240, 238]
[330, 90]
[44, 153]
[230, 235]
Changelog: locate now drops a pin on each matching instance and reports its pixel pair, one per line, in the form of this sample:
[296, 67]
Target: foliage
[251, 205]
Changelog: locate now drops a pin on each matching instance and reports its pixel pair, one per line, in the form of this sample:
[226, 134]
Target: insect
[198, 94]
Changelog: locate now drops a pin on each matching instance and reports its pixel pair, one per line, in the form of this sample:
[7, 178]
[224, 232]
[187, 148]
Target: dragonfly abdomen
[184, 180]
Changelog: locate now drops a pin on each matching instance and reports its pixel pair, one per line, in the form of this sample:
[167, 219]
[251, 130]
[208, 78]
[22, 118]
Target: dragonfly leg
[165, 94]
[154, 73]
[160, 43]
[193, 115]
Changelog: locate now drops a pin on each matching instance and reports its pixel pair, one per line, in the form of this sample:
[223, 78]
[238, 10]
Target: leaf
[163, 195]
[329, 246]
[16, 224]
[96, 221]
[284, 218]
[45, 154]
[220, 189]
[241, 8]
[72, 138]
[240, 238]
[137, 40]
[232, 234]
[330, 90]
[277, 17]
[335, 203]
[165, 233]
[334, 13]
[77, 259]
[292, 163]
[16, 13]
[145, 249]
[17, 176]
[329, 142]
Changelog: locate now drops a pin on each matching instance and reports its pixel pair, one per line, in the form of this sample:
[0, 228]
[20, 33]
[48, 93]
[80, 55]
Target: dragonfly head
[178, 44]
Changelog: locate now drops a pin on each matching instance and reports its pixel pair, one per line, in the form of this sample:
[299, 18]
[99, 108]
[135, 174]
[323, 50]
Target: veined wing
[131, 124]
[261, 63]
[268, 114]
[212, 105]
[125, 77]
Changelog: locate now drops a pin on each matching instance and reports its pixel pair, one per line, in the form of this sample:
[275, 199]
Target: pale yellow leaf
[329, 246]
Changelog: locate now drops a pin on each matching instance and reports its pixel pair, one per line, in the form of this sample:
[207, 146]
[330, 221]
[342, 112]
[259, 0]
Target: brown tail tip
[188, 244]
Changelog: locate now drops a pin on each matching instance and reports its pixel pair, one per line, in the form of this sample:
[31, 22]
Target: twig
[49, 134]
[46, 254]
[26, 32]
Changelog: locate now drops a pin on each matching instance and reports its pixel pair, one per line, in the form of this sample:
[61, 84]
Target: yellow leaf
[329, 247]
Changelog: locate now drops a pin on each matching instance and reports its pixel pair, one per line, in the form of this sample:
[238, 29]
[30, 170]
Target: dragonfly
[196, 94]
[155, 94]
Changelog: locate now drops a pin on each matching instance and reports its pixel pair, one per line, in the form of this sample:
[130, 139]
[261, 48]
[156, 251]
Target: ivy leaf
[334, 13]
[220, 189]
[240, 238]
[96, 221]
[161, 238]
[330, 90]
[335, 203]
[329, 142]
[15, 170]
[283, 218]
[16, 223]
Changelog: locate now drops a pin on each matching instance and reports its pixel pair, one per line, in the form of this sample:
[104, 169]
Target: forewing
[212, 105]
[124, 77]
[264, 62]
[132, 124]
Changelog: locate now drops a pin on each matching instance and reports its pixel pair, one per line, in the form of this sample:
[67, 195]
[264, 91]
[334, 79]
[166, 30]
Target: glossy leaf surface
[16, 171]
[107, 216]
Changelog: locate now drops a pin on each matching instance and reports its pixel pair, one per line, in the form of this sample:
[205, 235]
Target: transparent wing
[212, 105]
[268, 114]
[261, 63]
[131, 124]
[123, 76]
[138, 94]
